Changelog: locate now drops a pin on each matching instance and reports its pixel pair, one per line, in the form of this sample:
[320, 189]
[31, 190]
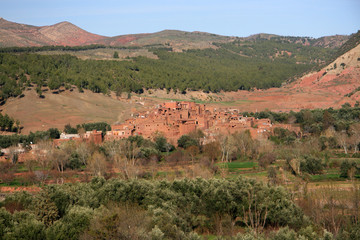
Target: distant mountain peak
[62, 33]
[64, 23]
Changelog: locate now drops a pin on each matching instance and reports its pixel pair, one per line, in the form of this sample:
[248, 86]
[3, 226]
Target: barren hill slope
[21, 35]
[341, 76]
[64, 33]
[57, 110]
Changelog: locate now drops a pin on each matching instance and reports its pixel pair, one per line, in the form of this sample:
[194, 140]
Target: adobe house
[119, 131]
[90, 136]
[93, 136]
[64, 137]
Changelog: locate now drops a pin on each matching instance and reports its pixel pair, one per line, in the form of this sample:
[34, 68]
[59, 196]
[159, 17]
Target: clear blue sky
[241, 18]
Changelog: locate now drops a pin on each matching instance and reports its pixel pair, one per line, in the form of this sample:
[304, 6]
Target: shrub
[72, 225]
[74, 162]
[162, 145]
[118, 221]
[186, 141]
[26, 227]
[311, 165]
[346, 167]
[116, 54]
[266, 159]
[284, 136]
[69, 129]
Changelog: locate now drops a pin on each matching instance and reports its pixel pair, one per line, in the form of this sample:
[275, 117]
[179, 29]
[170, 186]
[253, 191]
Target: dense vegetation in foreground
[180, 209]
[143, 209]
[229, 67]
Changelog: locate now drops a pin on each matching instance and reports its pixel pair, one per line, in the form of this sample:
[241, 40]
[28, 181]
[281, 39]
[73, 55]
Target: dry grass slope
[56, 110]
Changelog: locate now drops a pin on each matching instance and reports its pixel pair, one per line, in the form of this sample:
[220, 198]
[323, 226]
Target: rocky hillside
[341, 76]
[64, 33]
[335, 41]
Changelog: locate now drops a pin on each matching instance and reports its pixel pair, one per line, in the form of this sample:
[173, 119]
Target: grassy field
[245, 169]
[252, 170]
[326, 177]
[238, 165]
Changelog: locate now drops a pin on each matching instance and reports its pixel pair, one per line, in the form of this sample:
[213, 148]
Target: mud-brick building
[90, 136]
[119, 131]
[93, 136]
[65, 138]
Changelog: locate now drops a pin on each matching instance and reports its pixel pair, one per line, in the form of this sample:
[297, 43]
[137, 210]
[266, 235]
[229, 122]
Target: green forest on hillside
[270, 48]
[232, 66]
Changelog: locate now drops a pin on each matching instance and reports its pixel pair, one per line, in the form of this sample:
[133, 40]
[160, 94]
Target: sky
[312, 18]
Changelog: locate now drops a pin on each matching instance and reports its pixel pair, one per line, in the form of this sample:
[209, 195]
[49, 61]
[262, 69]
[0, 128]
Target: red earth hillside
[332, 86]
[64, 33]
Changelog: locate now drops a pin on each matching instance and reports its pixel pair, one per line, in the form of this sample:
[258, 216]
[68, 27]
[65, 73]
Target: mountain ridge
[65, 33]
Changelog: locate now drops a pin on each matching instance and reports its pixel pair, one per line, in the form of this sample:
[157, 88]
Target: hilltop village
[174, 119]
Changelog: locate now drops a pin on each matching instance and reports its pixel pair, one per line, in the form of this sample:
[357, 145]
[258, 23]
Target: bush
[6, 222]
[69, 129]
[54, 133]
[72, 225]
[186, 141]
[26, 227]
[311, 165]
[266, 159]
[346, 167]
[118, 221]
[350, 232]
[116, 54]
[74, 162]
[162, 145]
[284, 136]
[284, 234]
